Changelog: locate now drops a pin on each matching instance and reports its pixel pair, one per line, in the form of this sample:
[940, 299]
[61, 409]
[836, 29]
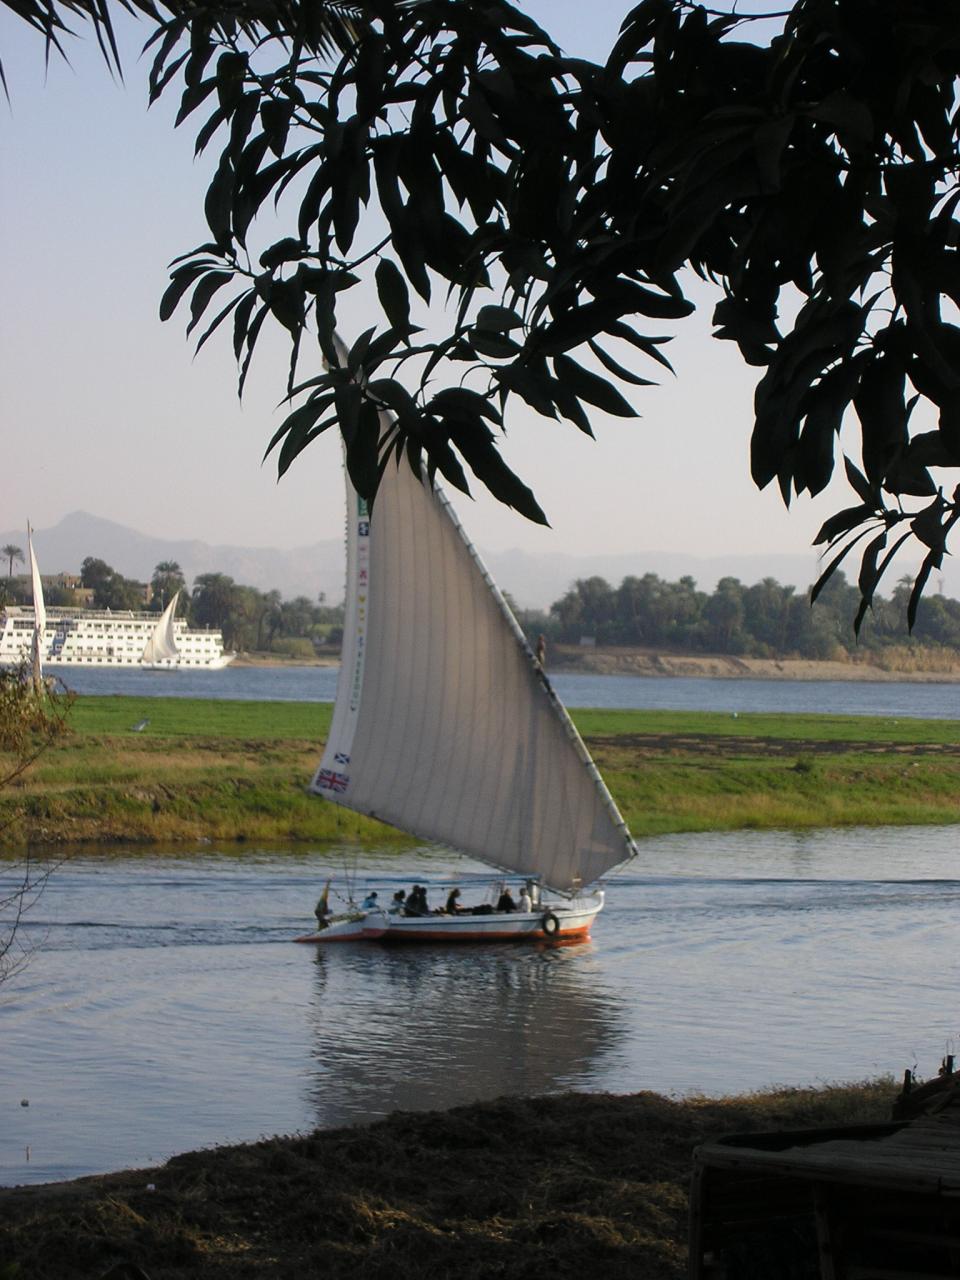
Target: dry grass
[578, 1185]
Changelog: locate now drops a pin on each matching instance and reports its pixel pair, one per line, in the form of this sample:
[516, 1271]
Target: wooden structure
[868, 1202]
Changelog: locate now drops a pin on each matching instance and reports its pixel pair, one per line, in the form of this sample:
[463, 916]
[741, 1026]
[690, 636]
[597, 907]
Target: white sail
[162, 645]
[39, 611]
[444, 725]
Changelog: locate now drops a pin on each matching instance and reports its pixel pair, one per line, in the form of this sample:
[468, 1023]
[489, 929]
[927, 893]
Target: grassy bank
[210, 769]
[577, 1185]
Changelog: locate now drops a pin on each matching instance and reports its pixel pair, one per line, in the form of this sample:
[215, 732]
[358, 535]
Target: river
[166, 1007]
[672, 693]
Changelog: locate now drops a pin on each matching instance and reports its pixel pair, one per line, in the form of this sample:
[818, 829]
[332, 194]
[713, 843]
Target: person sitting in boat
[370, 902]
[417, 901]
[505, 902]
[453, 906]
[526, 902]
[399, 901]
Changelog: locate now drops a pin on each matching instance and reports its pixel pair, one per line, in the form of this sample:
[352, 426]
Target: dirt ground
[725, 746]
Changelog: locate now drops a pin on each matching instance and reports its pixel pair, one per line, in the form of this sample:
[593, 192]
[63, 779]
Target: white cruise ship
[102, 638]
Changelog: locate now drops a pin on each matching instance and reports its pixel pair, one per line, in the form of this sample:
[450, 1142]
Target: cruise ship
[104, 638]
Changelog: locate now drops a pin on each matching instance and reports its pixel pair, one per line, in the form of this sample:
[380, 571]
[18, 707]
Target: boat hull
[555, 923]
[340, 929]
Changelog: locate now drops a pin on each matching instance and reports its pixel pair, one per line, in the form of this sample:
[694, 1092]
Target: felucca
[446, 726]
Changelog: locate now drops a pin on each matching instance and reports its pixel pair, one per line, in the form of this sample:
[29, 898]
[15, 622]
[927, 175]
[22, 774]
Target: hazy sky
[104, 408]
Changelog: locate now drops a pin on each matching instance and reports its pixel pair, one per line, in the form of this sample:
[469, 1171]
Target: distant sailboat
[39, 613]
[161, 650]
[446, 726]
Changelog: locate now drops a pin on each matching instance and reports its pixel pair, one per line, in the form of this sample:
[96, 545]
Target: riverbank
[577, 1184]
[168, 770]
[904, 665]
[901, 665]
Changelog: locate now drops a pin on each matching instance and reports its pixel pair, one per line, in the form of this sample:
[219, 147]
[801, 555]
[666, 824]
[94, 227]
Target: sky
[106, 409]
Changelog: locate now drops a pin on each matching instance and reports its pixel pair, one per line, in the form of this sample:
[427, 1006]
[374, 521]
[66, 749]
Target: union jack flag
[330, 780]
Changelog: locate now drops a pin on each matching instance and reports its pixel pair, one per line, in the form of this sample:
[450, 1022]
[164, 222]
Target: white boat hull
[560, 922]
[345, 928]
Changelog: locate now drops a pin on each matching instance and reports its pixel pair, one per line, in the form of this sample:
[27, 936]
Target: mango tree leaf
[591, 387]
[393, 293]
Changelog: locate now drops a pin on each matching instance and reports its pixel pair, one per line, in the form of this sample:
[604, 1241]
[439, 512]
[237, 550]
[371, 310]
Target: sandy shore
[648, 662]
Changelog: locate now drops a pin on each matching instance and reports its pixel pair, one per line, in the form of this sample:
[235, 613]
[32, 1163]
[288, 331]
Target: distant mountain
[303, 571]
[534, 580]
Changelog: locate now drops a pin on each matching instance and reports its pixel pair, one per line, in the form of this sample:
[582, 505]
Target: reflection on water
[448, 1027]
[167, 1008]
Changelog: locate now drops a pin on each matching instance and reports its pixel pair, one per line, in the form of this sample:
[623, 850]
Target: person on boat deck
[505, 902]
[399, 901]
[526, 902]
[322, 909]
[453, 906]
[370, 902]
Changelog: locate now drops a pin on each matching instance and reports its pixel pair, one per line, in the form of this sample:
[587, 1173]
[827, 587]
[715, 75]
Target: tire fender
[549, 924]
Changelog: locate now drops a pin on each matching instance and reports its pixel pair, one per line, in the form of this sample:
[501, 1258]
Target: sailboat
[446, 726]
[160, 653]
[39, 614]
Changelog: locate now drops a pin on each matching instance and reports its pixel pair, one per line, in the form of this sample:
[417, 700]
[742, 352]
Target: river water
[936, 701]
[166, 1007]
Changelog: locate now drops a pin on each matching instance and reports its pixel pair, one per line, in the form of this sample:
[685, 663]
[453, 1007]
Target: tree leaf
[180, 282]
[207, 286]
[591, 387]
[827, 574]
[393, 293]
[499, 319]
[843, 522]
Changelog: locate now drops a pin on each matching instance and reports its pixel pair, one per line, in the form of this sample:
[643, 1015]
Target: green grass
[202, 717]
[213, 717]
[211, 769]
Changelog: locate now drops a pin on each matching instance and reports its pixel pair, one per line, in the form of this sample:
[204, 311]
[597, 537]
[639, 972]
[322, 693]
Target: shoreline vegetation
[591, 1185]
[172, 771]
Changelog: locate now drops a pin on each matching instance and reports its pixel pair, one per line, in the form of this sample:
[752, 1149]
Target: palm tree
[166, 581]
[12, 553]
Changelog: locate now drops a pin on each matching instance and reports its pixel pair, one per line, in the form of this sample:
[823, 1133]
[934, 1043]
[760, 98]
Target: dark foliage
[762, 621]
[807, 167]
